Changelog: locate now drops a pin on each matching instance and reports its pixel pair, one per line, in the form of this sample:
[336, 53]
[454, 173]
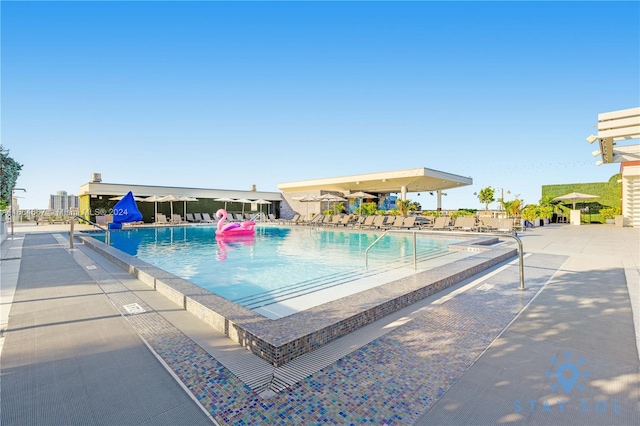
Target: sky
[225, 95]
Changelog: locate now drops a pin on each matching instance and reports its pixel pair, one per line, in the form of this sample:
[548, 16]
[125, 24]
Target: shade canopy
[575, 197]
[414, 180]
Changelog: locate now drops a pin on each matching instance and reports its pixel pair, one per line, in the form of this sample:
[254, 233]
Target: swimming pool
[288, 334]
[279, 265]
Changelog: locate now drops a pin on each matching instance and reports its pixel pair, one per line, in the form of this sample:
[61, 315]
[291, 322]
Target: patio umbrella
[184, 199]
[261, 202]
[330, 197]
[122, 196]
[306, 199]
[169, 198]
[360, 195]
[574, 197]
[154, 199]
[243, 201]
[226, 200]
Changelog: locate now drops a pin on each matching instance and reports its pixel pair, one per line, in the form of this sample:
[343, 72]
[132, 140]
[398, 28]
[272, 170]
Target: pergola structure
[618, 132]
[399, 181]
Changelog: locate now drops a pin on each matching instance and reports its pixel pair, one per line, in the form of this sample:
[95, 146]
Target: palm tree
[404, 206]
[486, 196]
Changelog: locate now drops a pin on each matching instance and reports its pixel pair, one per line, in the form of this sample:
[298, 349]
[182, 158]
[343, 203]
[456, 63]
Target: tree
[486, 196]
[405, 206]
[9, 172]
[512, 207]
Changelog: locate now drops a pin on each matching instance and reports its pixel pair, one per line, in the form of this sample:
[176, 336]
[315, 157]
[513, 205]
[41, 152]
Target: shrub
[531, 212]
[610, 212]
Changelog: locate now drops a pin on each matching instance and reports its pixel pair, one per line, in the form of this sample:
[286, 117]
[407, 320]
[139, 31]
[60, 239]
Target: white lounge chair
[441, 224]
[207, 218]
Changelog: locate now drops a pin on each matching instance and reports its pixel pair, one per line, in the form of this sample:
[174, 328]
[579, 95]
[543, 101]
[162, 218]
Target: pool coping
[281, 340]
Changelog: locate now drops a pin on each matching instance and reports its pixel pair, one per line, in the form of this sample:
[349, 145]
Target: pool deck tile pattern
[405, 376]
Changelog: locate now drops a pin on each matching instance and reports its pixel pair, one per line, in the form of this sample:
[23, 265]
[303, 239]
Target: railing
[415, 261]
[258, 217]
[84, 219]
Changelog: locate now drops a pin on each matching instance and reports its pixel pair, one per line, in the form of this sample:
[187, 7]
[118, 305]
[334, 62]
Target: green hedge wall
[610, 193]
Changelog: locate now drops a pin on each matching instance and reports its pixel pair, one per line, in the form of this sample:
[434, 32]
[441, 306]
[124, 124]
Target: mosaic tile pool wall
[281, 340]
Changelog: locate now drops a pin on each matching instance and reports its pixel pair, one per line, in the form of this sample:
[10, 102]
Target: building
[63, 202]
[618, 133]
[382, 185]
[97, 197]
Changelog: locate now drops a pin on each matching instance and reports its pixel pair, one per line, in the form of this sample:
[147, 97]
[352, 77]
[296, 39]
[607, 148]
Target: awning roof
[415, 180]
[617, 130]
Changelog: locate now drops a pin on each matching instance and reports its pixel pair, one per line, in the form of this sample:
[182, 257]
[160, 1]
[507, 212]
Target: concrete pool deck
[78, 349]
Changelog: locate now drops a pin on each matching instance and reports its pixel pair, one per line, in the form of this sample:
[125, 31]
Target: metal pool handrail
[71, 222]
[415, 261]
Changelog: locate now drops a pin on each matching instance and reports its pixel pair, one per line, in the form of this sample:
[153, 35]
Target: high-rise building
[63, 201]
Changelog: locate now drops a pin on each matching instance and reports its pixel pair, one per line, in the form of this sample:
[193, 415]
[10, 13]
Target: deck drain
[91, 267]
[134, 308]
[486, 287]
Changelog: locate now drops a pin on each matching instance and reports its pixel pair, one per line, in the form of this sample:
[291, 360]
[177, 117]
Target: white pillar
[403, 193]
[439, 206]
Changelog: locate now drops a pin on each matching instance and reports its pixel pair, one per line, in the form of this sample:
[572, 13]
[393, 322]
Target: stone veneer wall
[280, 341]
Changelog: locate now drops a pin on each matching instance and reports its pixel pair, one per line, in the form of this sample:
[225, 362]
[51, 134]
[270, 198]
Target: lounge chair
[459, 223]
[317, 219]
[271, 218]
[326, 220]
[294, 219]
[441, 224]
[207, 218]
[335, 220]
[378, 222]
[395, 222]
[469, 223]
[359, 221]
[409, 222]
[505, 225]
[189, 217]
[367, 223]
[176, 219]
[344, 220]
[198, 217]
[161, 219]
[239, 217]
[489, 224]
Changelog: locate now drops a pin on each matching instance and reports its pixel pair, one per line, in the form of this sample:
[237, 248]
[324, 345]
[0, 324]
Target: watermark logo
[567, 374]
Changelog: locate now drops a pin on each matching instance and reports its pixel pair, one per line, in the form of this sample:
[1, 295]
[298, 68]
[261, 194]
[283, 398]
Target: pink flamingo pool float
[233, 228]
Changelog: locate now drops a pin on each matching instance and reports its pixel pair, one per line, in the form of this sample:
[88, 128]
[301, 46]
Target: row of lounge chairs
[442, 223]
[206, 217]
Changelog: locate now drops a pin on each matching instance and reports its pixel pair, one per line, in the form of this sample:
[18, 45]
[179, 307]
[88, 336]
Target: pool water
[275, 260]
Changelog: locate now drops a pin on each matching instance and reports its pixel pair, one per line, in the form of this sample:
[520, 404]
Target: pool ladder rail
[84, 219]
[415, 259]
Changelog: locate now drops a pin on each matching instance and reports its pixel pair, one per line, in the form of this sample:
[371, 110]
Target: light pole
[11, 209]
[502, 198]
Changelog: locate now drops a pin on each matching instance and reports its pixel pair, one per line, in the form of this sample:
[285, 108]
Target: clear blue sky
[228, 94]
